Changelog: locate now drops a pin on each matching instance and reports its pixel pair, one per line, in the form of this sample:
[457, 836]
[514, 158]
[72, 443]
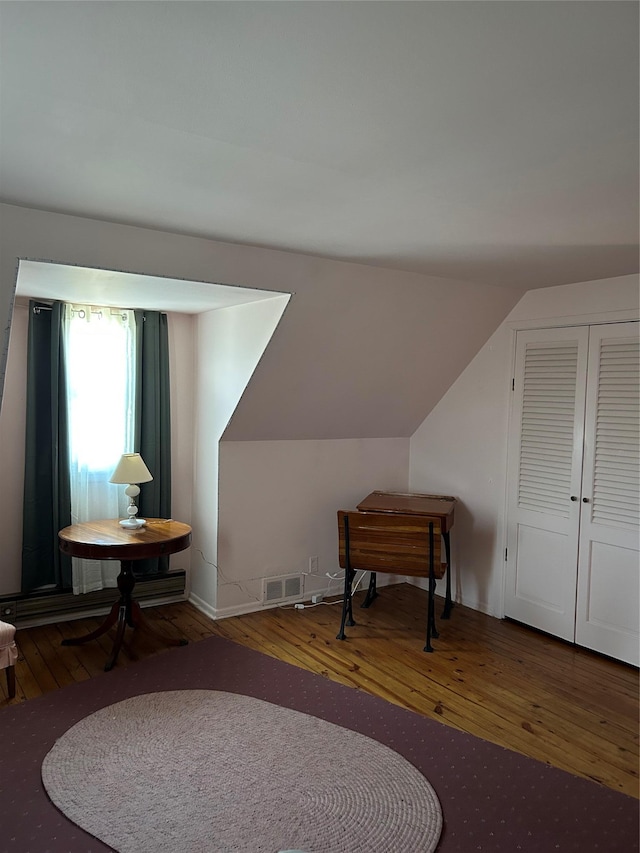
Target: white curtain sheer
[100, 365]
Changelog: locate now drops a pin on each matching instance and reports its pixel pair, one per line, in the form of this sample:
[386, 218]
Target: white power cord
[301, 606]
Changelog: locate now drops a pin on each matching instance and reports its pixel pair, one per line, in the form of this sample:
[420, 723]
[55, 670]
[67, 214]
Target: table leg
[124, 612]
[109, 622]
[141, 623]
[117, 643]
[448, 603]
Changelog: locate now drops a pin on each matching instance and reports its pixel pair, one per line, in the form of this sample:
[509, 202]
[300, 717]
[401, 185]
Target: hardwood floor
[492, 678]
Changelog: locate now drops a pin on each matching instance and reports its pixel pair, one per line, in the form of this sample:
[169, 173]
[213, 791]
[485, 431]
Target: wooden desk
[419, 503]
[108, 540]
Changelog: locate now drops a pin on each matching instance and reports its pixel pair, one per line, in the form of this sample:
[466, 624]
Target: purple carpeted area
[492, 799]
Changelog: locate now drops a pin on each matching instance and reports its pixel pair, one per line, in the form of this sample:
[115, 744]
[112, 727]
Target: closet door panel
[536, 580]
[608, 595]
[545, 473]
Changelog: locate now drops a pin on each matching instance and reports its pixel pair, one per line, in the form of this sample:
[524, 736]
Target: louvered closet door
[545, 473]
[609, 562]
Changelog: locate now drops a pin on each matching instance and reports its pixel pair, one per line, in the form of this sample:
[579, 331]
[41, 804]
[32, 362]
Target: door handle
[585, 500]
[574, 498]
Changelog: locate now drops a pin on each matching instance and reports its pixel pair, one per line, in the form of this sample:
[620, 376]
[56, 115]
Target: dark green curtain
[47, 495]
[153, 422]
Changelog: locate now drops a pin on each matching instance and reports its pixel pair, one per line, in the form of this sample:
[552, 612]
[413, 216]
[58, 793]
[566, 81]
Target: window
[101, 369]
[100, 366]
[98, 386]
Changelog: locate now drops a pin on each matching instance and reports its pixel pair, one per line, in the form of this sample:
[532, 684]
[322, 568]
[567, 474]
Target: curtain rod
[115, 311]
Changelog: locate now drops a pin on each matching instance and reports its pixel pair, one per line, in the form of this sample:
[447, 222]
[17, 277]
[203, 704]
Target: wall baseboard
[31, 610]
[255, 606]
[202, 606]
[226, 612]
[69, 616]
[472, 604]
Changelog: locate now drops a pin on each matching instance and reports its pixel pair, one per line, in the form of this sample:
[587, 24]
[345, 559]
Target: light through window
[100, 368]
[101, 372]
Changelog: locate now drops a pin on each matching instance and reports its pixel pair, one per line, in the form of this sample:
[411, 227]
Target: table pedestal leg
[124, 612]
[141, 623]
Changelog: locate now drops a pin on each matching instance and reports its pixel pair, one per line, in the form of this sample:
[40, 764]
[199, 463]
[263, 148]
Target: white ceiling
[47, 281]
[489, 141]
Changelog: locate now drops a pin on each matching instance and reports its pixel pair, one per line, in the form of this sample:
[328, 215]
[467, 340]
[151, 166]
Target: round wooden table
[108, 540]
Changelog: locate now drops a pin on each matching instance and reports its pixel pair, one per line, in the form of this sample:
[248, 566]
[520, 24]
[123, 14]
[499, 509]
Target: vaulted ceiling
[495, 142]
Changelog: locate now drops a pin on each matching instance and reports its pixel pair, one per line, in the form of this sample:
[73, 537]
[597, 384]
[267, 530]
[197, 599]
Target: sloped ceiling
[454, 154]
[360, 352]
[364, 353]
[495, 142]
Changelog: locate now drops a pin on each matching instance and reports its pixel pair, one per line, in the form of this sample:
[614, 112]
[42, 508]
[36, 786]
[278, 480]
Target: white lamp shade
[131, 469]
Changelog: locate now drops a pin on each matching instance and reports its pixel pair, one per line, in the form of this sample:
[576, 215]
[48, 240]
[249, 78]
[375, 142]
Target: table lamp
[131, 470]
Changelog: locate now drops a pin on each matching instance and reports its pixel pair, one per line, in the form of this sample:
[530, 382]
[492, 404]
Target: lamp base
[132, 523]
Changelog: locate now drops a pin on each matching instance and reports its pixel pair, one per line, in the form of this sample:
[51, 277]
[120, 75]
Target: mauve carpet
[492, 799]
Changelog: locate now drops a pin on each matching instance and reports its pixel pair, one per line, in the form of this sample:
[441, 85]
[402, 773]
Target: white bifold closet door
[572, 562]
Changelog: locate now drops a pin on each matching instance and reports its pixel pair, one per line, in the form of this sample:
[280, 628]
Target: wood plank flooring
[495, 679]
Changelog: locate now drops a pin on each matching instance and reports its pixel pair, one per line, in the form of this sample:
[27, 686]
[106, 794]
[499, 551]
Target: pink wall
[362, 354]
[461, 447]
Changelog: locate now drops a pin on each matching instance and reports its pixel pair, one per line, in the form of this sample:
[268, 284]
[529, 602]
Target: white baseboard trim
[234, 610]
[202, 606]
[255, 606]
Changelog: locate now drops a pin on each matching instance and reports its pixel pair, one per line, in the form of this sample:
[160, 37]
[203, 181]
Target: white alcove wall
[229, 344]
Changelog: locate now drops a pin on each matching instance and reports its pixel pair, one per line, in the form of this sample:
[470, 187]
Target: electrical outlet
[313, 564]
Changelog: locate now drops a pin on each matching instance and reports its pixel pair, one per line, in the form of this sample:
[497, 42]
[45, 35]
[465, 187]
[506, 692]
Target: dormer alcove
[217, 335]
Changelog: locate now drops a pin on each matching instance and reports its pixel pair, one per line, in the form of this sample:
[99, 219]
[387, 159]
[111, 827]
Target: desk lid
[408, 502]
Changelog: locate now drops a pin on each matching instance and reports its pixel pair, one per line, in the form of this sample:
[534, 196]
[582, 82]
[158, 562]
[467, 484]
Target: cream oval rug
[209, 771]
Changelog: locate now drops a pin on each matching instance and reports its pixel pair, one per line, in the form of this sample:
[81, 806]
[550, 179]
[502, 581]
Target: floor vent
[282, 588]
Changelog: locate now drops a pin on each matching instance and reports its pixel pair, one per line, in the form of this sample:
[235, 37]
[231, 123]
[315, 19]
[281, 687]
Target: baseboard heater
[17, 608]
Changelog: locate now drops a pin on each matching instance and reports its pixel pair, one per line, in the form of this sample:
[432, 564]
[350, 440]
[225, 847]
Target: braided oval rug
[210, 771]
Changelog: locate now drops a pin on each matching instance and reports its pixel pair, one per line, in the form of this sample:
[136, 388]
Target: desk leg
[347, 609]
[371, 592]
[448, 603]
